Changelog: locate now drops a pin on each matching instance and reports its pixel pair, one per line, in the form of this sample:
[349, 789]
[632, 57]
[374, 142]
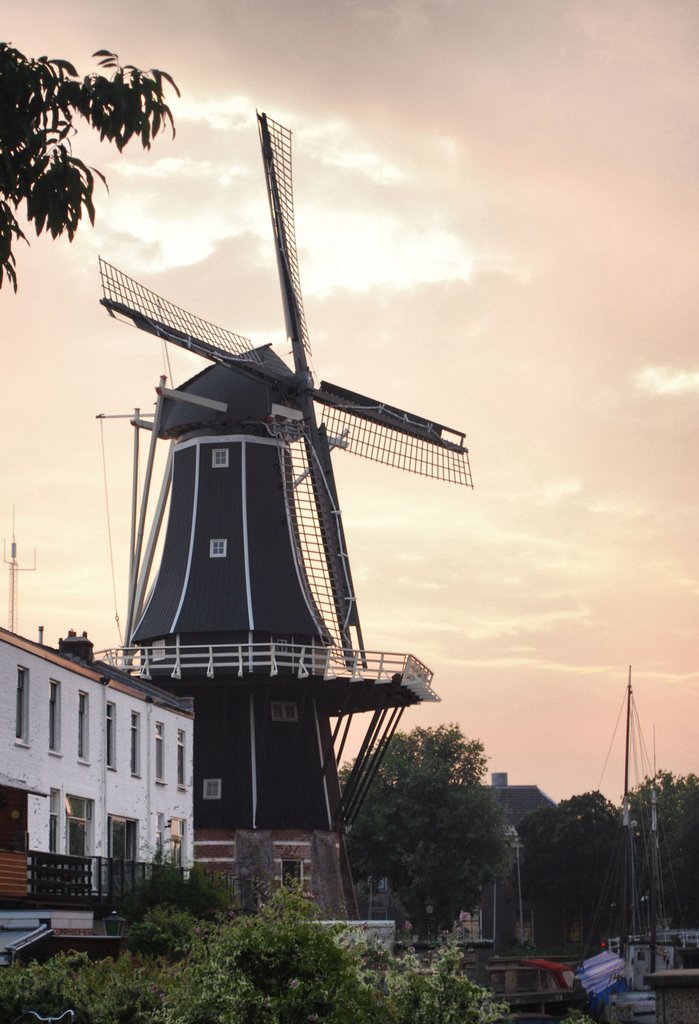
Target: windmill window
[218, 547]
[219, 458]
[284, 711]
[292, 872]
[212, 789]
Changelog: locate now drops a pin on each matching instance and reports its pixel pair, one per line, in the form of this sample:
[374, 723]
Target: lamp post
[518, 847]
[114, 925]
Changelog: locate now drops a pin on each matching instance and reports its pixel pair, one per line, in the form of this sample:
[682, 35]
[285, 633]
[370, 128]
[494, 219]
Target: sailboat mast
[654, 869]
[626, 825]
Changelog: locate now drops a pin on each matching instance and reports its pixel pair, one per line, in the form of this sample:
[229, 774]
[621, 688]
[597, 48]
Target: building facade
[93, 762]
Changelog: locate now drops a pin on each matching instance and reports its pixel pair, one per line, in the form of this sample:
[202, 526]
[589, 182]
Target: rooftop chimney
[499, 780]
[79, 648]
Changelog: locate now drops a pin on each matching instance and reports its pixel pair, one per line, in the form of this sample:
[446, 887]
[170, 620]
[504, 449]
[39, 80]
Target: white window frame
[218, 547]
[297, 876]
[159, 832]
[219, 458]
[110, 724]
[181, 762]
[135, 741]
[178, 834]
[83, 726]
[22, 706]
[159, 751]
[54, 716]
[55, 821]
[211, 790]
[87, 819]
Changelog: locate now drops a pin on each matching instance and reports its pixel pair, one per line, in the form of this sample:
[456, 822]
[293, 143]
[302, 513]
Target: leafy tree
[568, 850]
[429, 825]
[41, 101]
[678, 814]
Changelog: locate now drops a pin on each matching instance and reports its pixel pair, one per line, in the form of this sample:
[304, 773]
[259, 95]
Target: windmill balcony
[275, 658]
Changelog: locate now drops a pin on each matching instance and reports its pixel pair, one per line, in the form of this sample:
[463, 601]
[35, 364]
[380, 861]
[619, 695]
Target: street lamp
[114, 925]
[518, 847]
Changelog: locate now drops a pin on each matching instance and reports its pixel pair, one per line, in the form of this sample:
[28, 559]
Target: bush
[163, 932]
[200, 893]
[282, 966]
[105, 992]
[442, 996]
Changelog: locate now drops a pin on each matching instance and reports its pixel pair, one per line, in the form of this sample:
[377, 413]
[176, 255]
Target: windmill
[253, 610]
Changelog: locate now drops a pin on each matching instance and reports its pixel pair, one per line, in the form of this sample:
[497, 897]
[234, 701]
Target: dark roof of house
[518, 801]
[95, 670]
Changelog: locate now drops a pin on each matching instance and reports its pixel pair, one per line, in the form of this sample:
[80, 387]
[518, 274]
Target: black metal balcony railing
[83, 879]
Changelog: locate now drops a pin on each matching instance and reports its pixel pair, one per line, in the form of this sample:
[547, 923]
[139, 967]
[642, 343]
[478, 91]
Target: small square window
[219, 458]
[212, 789]
[284, 711]
[218, 547]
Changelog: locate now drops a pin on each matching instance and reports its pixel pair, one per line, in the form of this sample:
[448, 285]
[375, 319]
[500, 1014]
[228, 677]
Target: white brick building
[93, 763]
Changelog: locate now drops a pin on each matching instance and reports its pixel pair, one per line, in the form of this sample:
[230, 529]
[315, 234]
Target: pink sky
[496, 210]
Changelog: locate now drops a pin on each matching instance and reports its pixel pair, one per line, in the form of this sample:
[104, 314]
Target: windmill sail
[130, 300]
[276, 154]
[386, 434]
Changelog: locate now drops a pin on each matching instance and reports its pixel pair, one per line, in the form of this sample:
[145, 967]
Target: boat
[615, 979]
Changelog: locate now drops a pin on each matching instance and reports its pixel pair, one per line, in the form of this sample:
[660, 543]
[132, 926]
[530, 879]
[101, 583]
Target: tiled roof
[518, 801]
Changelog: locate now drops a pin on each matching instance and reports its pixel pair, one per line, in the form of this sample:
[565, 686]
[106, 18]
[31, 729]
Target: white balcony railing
[272, 659]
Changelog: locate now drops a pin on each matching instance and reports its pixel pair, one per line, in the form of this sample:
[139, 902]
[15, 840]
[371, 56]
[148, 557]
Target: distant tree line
[574, 855]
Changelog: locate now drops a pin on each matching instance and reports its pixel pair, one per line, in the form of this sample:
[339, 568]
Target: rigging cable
[611, 744]
[109, 533]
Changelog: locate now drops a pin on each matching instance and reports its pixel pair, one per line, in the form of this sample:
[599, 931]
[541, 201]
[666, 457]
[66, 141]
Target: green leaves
[41, 103]
[429, 825]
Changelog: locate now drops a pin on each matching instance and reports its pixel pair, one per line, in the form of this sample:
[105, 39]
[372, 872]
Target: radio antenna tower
[14, 569]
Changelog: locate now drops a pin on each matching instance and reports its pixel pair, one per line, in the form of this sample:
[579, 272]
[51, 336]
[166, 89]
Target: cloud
[222, 113]
[554, 492]
[665, 380]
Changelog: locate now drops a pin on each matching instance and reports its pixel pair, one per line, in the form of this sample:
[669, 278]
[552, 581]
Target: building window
[180, 757]
[135, 743]
[219, 458]
[292, 872]
[54, 816]
[159, 832]
[284, 711]
[54, 716]
[83, 726]
[212, 789]
[79, 813]
[110, 726]
[218, 547]
[158, 650]
[177, 835]
[159, 751]
[122, 838]
[22, 705]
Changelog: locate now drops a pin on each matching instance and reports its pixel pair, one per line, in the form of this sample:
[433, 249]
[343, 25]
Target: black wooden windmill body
[252, 610]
